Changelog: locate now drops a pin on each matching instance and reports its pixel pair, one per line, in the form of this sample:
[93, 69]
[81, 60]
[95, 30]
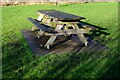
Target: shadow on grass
[63, 5]
[86, 65]
[82, 65]
[18, 61]
[113, 71]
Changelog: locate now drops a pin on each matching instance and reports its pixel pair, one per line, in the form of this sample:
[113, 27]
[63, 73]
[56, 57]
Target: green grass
[19, 62]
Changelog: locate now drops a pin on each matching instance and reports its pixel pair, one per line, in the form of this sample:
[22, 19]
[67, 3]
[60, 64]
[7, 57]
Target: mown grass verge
[19, 62]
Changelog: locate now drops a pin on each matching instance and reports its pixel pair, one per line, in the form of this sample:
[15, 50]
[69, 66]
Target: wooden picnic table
[53, 23]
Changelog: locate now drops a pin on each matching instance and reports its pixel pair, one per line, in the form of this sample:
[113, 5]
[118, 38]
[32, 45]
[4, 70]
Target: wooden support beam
[81, 36]
[52, 38]
[67, 31]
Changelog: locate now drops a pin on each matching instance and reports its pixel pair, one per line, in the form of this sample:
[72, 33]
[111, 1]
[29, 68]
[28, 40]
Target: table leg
[81, 36]
[40, 33]
[40, 17]
[52, 38]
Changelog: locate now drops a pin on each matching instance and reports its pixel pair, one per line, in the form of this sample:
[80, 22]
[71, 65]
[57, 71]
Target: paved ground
[62, 44]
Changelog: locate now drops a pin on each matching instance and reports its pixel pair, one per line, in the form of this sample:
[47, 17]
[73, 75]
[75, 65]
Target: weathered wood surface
[42, 27]
[52, 32]
[86, 25]
[61, 16]
[53, 18]
[61, 45]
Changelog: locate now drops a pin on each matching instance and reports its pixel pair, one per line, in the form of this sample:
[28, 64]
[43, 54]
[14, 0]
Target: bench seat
[42, 27]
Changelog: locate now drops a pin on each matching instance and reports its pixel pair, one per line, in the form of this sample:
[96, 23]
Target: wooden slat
[86, 25]
[61, 16]
[68, 31]
[43, 28]
[52, 38]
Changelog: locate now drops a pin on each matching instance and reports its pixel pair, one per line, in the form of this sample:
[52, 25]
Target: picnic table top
[61, 16]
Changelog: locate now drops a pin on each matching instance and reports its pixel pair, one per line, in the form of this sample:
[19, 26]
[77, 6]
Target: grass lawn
[19, 62]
